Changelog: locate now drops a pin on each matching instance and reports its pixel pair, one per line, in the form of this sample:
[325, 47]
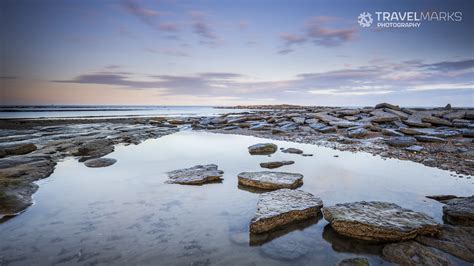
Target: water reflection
[127, 214]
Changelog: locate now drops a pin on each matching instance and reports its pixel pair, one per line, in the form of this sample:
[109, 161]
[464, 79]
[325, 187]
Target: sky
[172, 52]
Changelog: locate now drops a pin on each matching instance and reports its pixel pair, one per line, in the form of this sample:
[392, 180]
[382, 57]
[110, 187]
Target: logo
[365, 19]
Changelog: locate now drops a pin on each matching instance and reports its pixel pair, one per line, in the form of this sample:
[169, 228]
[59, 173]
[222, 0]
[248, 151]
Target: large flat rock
[270, 180]
[379, 221]
[196, 175]
[455, 240]
[275, 164]
[459, 211]
[282, 207]
[411, 253]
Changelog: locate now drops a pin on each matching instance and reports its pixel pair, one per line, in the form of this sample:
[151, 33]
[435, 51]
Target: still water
[65, 111]
[126, 214]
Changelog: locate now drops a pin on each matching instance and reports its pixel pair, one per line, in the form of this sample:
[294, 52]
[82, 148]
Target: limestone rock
[292, 150]
[357, 133]
[270, 180]
[99, 162]
[401, 141]
[196, 175]
[263, 149]
[282, 207]
[18, 149]
[387, 105]
[379, 221]
[413, 254]
[424, 138]
[459, 211]
[436, 121]
[275, 164]
[353, 262]
[455, 240]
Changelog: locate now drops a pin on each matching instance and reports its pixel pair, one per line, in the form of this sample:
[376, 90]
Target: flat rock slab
[270, 180]
[263, 149]
[99, 162]
[17, 149]
[459, 211]
[276, 164]
[401, 141]
[353, 262]
[292, 150]
[411, 253]
[455, 240]
[196, 175]
[282, 207]
[379, 221]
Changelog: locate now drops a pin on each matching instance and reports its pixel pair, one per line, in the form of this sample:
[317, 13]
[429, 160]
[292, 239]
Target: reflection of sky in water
[126, 214]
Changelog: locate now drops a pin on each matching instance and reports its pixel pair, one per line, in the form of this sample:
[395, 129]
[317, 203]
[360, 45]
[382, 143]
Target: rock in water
[263, 149]
[196, 175]
[100, 162]
[455, 240]
[18, 149]
[353, 262]
[277, 164]
[282, 207]
[379, 221]
[413, 254]
[459, 211]
[292, 150]
[270, 180]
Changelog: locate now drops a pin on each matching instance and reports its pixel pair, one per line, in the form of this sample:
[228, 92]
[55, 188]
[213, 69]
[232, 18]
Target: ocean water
[68, 111]
[126, 214]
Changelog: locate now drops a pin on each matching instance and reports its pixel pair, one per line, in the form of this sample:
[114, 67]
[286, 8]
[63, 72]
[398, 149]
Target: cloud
[285, 51]
[450, 65]
[144, 14]
[202, 28]
[374, 82]
[8, 77]
[317, 31]
[169, 27]
[168, 51]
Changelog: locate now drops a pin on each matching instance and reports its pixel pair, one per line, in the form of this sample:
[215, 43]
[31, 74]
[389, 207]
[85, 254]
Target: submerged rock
[455, 240]
[276, 164]
[270, 180]
[379, 221]
[412, 253]
[263, 149]
[459, 211]
[282, 207]
[99, 162]
[196, 175]
[292, 150]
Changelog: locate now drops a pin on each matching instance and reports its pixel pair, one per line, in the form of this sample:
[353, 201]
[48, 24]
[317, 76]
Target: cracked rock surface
[282, 207]
[270, 180]
[196, 175]
[379, 221]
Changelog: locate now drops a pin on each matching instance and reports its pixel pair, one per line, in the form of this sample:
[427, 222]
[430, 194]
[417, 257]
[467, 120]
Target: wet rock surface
[459, 211]
[444, 135]
[292, 150]
[100, 162]
[270, 180]
[282, 207]
[263, 149]
[353, 262]
[276, 164]
[412, 253]
[196, 175]
[379, 221]
[455, 240]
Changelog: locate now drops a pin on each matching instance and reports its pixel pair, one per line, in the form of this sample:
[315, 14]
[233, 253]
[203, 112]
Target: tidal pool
[126, 214]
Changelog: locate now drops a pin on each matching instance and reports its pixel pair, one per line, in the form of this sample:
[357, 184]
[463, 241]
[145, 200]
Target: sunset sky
[165, 52]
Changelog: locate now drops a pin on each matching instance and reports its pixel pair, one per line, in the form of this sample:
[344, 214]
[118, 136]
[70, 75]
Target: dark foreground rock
[459, 211]
[455, 240]
[196, 175]
[270, 180]
[353, 262]
[282, 207]
[99, 162]
[276, 164]
[379, 221]
[19, 149]
[412, 253]
[263, 149]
